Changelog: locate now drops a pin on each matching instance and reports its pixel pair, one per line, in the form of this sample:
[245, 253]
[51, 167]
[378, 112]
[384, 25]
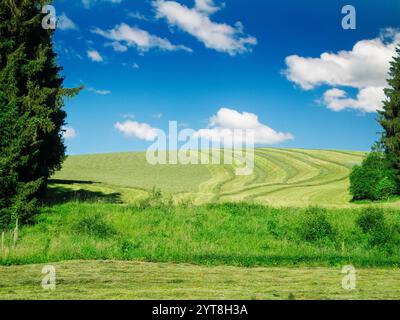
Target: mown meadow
[281, 177]
[117, 223]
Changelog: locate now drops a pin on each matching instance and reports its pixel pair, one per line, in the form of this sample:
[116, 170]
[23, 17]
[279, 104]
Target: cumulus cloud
[365, 68]
[134, 129]
[367, 100]
[196, 21]
[65, 23]
[69, 133]
[124, 35]
[227, 120]
[95, 56]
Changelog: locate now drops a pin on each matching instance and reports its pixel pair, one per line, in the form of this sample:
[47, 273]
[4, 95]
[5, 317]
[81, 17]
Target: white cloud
[95, 56]
[126, 35]
[368, 99]
[65, 23]
[196, 21]
[158, 116]
[136, 129]
[100, 92]
[206, 6]
[139, 16]
[69, 133]
[365, 68]
[88, 3]
[135, 66]
[117, 46]
[226, 120]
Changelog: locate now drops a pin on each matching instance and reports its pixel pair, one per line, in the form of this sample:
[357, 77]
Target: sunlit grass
[149, 281]
[230, 234]
[281, 178]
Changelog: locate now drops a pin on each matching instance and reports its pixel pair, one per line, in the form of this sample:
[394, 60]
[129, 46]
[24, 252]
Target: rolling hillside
[282, 177]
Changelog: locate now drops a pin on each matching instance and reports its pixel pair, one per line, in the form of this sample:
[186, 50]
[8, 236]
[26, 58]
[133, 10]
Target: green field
[159, 281]
[227, 234]
[208, 234]
[282, 177]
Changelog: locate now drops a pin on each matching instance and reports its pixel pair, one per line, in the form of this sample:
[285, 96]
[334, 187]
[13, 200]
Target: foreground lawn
[138, 280]
[230, 234]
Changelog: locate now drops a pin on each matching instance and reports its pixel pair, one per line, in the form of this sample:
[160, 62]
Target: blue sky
[144, 63]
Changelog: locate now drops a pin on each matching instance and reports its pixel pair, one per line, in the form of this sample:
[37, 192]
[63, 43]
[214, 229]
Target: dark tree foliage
[389, 118]
[375, 179]
[31, 114]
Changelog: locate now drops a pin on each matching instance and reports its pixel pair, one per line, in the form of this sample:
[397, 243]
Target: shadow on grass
[392, 199]
[68, 182]
[60, 195]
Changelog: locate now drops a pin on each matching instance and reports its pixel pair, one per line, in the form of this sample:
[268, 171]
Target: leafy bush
[386, 188]
[372, 223]
[94, 225]
[371, 220]
[315, 226]
[375, 179]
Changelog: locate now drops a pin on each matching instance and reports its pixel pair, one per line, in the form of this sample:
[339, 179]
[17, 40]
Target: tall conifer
[31, 109]
[389, 118]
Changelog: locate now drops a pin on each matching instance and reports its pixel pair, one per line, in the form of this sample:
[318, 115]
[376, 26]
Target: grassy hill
[282, 177]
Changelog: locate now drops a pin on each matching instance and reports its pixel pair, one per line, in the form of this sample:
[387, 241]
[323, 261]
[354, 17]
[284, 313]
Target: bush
[375, 179]
[95, 226]
[315, 226]
[385, 188]
[372, 222]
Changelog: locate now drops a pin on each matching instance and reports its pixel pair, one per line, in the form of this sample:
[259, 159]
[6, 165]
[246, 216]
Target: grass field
[282, 177]
[209, 234]
[149, 281]
[227, 234]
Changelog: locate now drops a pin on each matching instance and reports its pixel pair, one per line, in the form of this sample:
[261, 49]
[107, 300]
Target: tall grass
[227, 234]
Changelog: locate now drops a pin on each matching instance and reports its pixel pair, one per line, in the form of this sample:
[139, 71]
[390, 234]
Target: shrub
[94, 225]
[372, 223]
[315, 226]
[371, 220]
[375, 179]
[385, 188]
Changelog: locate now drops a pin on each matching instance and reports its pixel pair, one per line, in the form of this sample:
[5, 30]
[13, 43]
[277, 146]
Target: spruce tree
[389, 117]
[31, 109]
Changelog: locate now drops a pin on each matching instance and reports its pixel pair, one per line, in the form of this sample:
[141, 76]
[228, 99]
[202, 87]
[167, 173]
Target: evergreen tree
[31, 114]
[389, 118]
